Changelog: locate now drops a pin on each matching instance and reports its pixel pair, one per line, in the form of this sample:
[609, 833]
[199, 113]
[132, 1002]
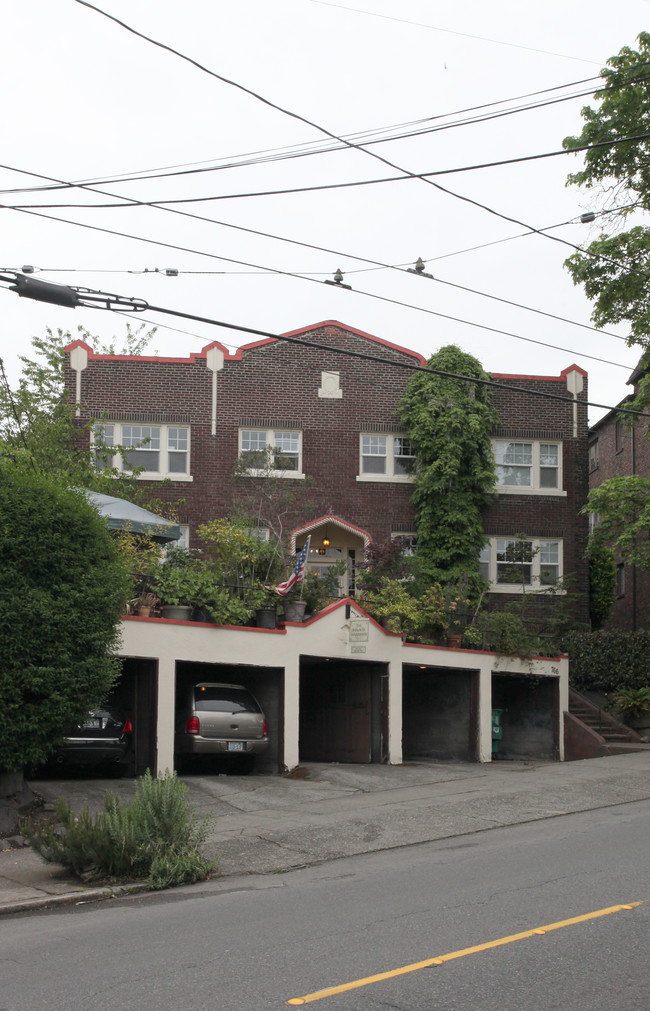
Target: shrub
[504, 633]
[63, 588]
[632, 702]
[608, 661]
[157, 837]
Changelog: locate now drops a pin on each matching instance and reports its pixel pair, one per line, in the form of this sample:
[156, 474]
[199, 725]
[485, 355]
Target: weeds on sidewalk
[157, 837]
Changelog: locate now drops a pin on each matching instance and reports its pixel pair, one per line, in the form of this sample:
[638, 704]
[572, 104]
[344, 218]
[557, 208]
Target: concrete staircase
[591, 732]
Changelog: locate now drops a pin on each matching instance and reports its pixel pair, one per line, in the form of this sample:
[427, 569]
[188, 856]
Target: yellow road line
[440, 959]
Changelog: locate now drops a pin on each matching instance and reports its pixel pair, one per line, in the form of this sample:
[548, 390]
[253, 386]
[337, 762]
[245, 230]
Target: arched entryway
[335, 543]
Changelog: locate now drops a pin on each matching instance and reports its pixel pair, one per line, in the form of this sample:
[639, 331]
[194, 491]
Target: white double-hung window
[268, 449]
[512, 564]
[161, 451]
[385, 457]
[528, 467]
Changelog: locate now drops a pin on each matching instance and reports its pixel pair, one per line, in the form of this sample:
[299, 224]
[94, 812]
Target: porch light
[326, 540]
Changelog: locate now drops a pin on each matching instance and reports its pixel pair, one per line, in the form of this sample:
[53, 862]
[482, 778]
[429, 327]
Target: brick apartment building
[333, 417]
[615, 450]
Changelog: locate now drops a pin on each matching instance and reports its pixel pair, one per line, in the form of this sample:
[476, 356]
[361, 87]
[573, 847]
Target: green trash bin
[497, 729]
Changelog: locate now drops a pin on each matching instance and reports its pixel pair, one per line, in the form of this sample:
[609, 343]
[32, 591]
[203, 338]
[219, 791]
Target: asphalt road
[245, 943]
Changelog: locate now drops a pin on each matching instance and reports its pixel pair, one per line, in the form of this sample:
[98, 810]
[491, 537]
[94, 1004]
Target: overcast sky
[86, 100]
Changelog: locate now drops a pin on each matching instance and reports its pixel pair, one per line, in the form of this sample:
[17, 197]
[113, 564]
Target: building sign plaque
[358, 631]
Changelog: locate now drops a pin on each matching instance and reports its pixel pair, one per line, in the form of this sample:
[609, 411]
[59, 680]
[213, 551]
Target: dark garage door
[439, 714]
[340, 712]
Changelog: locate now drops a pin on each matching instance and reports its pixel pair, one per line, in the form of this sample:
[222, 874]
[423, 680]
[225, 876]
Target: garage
[439, 714]
[343, 711]
[137, 694]
[528, 713]
[265, 683]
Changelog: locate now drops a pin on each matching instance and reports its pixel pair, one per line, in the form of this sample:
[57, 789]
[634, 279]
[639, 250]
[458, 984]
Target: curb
[73, 898]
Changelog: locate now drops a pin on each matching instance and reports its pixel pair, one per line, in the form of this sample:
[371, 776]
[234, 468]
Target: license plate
[235, 745]
[92, 724]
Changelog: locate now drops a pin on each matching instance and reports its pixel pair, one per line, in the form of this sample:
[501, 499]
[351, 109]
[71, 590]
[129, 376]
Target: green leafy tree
[449, 422]
[63, 587]
[614, 268]
[39, 428]
[623, 508]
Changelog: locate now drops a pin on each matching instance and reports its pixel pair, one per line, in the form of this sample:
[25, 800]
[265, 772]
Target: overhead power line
[333, 136]
[367, 138]
[106, 301]
[286, 273]
[450, 31]
[328, 186]
[381, 265]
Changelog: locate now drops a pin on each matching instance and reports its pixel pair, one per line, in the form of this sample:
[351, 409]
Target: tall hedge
[608, 661]
[63, 588]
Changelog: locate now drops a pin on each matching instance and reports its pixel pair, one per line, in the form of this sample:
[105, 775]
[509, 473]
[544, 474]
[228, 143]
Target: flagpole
[302, 581]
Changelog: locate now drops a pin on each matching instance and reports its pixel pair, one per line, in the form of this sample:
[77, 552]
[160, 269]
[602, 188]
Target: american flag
[298, 573]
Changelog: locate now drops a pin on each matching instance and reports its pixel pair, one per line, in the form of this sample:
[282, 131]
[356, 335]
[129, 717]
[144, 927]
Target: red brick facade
[275, 384]
[617, 451]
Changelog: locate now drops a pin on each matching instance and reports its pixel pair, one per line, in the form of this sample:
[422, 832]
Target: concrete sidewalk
[274, 823]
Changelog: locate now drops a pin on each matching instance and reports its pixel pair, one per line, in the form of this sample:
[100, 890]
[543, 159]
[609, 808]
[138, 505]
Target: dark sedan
[103, 739]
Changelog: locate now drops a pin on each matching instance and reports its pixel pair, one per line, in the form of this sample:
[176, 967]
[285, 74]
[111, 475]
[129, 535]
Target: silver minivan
[221, 719]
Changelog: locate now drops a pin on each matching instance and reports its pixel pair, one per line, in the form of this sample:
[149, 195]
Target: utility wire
[376, 264]
[366, 356]
[449, 31]
[327, 186]
[310, 149]
[332, 136]
[286, 273]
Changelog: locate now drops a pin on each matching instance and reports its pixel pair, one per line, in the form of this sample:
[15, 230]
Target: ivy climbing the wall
[449, 422]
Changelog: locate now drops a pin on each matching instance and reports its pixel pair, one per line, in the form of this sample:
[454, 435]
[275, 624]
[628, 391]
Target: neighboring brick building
[615, 450]
[334, 418]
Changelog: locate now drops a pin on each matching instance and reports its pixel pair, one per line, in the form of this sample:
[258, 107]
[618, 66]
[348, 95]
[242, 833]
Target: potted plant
[393, 607]
[457, 604]
[145, 603]
[294, 607]
[263, 602]
[179, 583]
[633, 705]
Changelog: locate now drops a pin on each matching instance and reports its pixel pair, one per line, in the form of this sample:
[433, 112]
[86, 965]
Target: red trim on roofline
[541, 379]
[237, 355]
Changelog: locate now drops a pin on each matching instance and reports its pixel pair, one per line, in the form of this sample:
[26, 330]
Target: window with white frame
[269, 449]
[385, 457]
[162, 451]
[408, 542]
[511, 564]
[528, 466]
[593, 455]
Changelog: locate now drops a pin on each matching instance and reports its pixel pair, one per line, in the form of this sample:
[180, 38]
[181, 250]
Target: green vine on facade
[449, 422]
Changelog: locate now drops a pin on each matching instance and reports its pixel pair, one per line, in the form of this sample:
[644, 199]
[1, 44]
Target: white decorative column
[485, 713]
[214, 361]
[575, 384]
[166, 712]
[78, 362]
[292, 711]
[395, 712]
